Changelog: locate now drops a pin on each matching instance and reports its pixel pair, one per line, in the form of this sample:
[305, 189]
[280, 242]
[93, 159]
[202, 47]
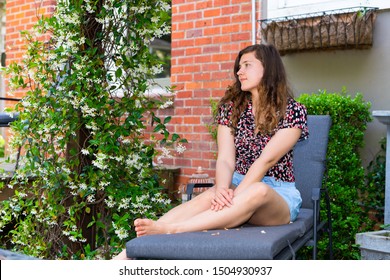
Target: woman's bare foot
[149, 227]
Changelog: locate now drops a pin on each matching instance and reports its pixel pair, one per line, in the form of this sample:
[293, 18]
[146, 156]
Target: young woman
[259, 123]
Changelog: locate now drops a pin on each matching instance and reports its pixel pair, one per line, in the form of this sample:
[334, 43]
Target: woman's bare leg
[190, 208]
[181, 212]
[258, 204]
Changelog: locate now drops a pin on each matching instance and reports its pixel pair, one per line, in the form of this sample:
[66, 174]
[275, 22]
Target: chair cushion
[6, 118]
[247, 242]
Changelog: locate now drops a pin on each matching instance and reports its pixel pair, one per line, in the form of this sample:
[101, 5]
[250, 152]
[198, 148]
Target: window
[162, 49]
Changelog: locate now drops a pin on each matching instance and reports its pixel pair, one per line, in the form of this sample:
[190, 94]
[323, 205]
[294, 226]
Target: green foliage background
[373, 196]
[346, 175]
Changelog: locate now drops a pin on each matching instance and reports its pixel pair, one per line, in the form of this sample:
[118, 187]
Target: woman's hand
[223, 197]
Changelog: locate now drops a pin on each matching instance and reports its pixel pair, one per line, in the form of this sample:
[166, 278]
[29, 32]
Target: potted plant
[374, 245]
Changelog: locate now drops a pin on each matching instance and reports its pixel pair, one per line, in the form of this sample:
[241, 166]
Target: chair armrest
[10, 99]
[192, 186]
[316, 194]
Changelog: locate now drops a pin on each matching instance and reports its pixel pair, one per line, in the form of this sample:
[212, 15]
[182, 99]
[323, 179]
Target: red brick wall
[22, 15]
[206, 37]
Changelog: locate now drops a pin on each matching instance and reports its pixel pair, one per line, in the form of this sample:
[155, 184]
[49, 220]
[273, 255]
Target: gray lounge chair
[6, 119]
[258, 242]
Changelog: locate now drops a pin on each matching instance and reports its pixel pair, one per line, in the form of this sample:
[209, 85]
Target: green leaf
[118, 72]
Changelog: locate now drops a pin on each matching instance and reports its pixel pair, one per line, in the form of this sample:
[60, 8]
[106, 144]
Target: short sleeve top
[249, 145]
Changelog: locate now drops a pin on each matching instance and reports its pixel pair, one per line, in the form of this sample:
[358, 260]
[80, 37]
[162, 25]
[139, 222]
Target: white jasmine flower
[166, 153]
[166, 104]
[180, 148]
[91, 198]
[125, 203]
[72, 238]
[122, 233]
[85, 152]
[110, 202]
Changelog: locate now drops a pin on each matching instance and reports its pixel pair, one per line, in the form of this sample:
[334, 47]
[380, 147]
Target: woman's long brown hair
[273, 90]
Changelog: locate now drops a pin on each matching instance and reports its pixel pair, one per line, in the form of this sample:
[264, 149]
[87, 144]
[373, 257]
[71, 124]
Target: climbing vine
[87, 169]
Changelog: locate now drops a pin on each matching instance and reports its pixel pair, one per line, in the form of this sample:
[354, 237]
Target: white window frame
[160, 84]
[284, 8]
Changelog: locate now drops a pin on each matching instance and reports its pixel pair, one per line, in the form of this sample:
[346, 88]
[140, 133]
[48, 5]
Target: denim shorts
[286, 190]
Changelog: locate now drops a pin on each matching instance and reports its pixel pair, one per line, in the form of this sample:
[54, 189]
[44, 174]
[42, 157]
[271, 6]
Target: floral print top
[250, 145]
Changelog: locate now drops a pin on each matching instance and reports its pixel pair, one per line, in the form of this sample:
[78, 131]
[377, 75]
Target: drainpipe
[384, 117]
[263, 14]
[253, 22]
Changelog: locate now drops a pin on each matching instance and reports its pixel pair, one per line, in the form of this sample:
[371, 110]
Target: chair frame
[310, 239]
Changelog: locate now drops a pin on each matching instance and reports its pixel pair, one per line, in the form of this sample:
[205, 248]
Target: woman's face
[250, 72]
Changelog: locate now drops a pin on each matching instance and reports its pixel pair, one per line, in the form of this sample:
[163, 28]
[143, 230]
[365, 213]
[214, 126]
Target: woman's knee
[261, 189]
[258, 192]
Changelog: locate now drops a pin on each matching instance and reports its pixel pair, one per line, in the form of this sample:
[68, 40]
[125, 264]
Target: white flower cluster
[158, 198]
[88, 111]
[166, 153]
[81, 189]
[110, 202]
[140, 10]
[92, 126]
[124, 204]
[120, 232]
[100, 161]
[141, 206]
[163, 30]
[168, 103]
[72, 235]
[164, 5]
[134, 160]
[91, 198]
[75, 99]
[103, 184]
[68, 41]
[180, 148]
[145, 203]
[88, 7]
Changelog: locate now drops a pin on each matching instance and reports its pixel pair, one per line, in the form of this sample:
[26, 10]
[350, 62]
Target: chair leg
[315, 235]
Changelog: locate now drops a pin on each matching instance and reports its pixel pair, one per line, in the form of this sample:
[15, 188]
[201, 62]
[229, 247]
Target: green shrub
[373, 196]
[346, 176]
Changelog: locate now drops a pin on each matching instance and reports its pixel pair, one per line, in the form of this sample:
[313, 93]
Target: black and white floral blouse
[250, 145]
